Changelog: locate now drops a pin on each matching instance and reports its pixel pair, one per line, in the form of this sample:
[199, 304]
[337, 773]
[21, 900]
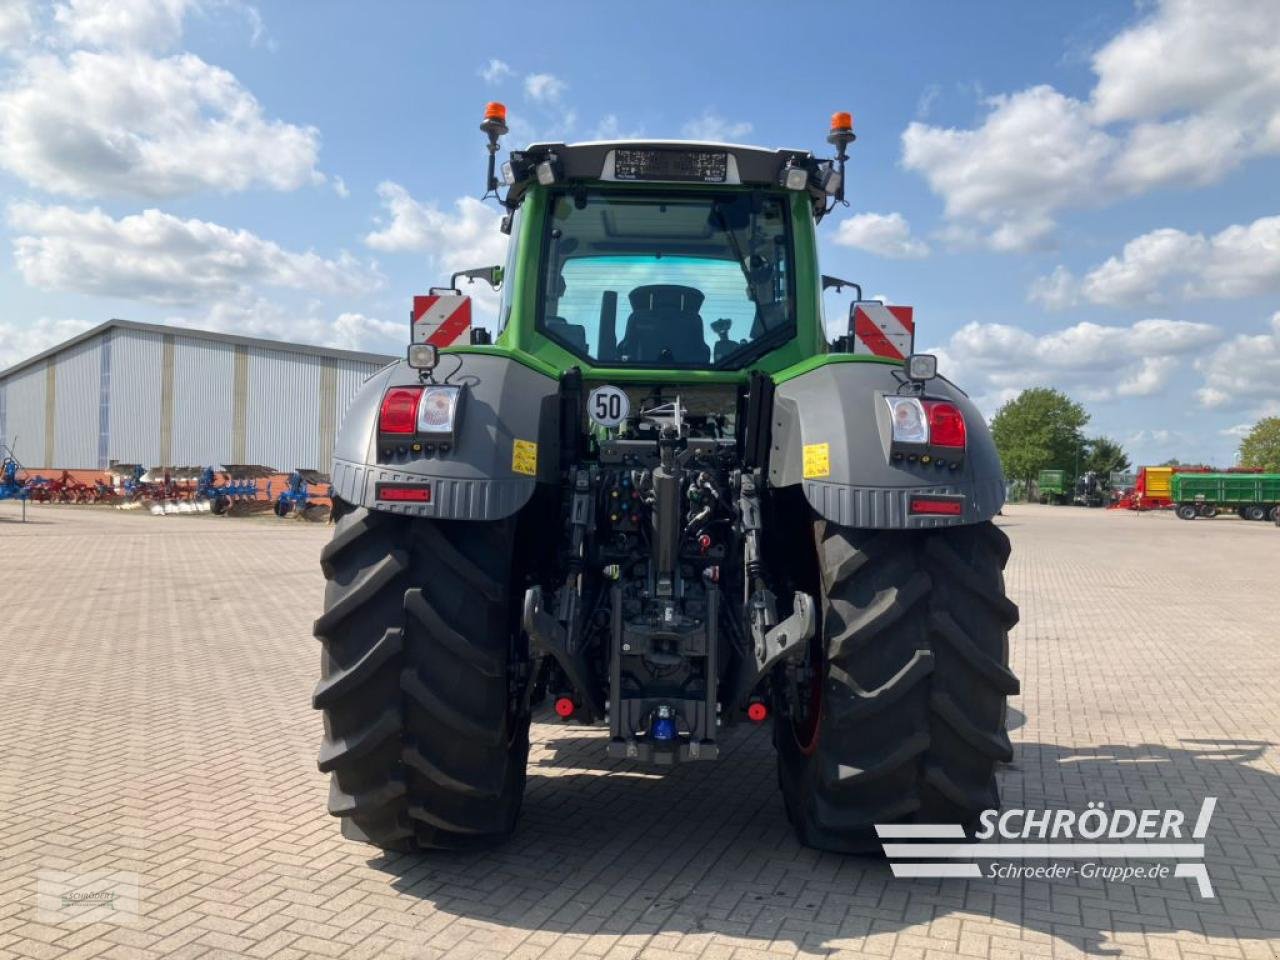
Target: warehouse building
[169, 396]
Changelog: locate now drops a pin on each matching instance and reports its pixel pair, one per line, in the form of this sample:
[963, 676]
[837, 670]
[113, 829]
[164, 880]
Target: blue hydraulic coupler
[664, 725]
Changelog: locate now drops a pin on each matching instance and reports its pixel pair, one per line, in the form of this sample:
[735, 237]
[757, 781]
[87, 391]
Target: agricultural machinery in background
[1051, 486]
[238, 486]
[1152, 487]
[297, 497]
[11, 488]
[1251, 496]
[173, 490]
[1090, 491]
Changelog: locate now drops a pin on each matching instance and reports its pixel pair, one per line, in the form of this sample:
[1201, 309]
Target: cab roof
[596, 159]
[679, 162]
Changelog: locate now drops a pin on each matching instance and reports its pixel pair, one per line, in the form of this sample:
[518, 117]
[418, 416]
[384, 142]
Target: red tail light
[946, 424]
[406, 493]
[937, 506]
[399, 410]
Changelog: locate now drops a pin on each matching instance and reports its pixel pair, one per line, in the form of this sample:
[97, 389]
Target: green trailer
[1252, 496]
[1052, 486]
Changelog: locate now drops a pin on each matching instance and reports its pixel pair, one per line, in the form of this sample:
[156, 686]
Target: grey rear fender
[854, 481]
[508, 412]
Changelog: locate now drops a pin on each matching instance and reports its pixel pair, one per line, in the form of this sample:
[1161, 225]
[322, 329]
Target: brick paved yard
[154, 698]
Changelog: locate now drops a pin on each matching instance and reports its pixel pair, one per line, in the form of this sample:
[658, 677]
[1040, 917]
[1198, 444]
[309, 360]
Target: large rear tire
[425, 737]
[906, 718]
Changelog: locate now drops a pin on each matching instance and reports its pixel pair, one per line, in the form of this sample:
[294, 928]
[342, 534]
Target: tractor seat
[664, 326]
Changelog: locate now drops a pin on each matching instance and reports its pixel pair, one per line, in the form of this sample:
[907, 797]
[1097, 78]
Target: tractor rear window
[699, 280]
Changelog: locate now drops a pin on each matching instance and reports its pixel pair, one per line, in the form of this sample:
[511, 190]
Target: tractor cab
[655, 255]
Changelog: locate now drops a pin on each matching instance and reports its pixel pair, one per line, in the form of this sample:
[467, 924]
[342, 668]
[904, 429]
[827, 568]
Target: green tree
[1039, 429]
[1261, 447]
[1105, 456]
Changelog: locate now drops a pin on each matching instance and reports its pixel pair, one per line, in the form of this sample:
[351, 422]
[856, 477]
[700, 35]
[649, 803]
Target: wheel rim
[808, 730]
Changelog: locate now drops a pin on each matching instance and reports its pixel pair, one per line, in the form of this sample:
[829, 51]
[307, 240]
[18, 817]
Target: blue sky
[1080, 196]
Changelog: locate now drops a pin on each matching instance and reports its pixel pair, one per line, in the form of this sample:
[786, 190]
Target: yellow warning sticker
[524, 457]
[817, 460]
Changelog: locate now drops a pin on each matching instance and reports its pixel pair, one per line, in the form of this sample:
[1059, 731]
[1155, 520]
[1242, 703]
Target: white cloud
[469, 236]
[1035, 152]
[544, 87]
[1168, 264]
[129, 24]
[928, 97]
[610, 128]
[465, 238]
[1190, 56]
[257, 317]
[17, 24]
[17, 343]
[129, 124]
[1244, 372]
[158, 257]
[1093, 362]
[711, 127]
[495, 71]
[1057, 291]
[1182, 97]
[884, 234]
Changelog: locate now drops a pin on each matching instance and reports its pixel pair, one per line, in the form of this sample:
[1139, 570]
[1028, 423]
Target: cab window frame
[749, 355]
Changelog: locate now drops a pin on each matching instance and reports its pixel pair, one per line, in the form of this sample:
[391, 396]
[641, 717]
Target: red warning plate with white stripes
[441, 318]
[883, 331]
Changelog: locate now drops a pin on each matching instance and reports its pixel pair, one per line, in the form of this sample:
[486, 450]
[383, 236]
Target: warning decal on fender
[817, 460]
[524, 457]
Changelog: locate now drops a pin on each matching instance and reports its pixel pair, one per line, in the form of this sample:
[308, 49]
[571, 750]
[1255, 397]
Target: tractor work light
[438, 410]
[546, 172]
[399, 409]
[829, 180]
[508, 173]
[794, 177]
[907, 417]
[921, 366]
[423, 356]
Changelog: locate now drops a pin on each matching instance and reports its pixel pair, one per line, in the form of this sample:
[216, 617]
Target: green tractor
[663, 500]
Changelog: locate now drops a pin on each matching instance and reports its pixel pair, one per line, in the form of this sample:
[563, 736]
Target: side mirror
[490, 275]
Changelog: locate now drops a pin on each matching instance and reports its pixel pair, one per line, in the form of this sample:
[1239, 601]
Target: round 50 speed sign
[608, 406]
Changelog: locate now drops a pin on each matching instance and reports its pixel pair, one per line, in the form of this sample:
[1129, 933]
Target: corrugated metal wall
[172, 399]
[134, 421]
[282, 426]
[24, 399]
[351, 375]
[202, 402]
[78, 373]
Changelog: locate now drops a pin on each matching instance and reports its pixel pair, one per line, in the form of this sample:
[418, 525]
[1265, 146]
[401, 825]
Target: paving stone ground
[155, 674]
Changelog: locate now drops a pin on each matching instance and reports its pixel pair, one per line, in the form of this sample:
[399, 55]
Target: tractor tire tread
[911, 726]
[344, 681]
